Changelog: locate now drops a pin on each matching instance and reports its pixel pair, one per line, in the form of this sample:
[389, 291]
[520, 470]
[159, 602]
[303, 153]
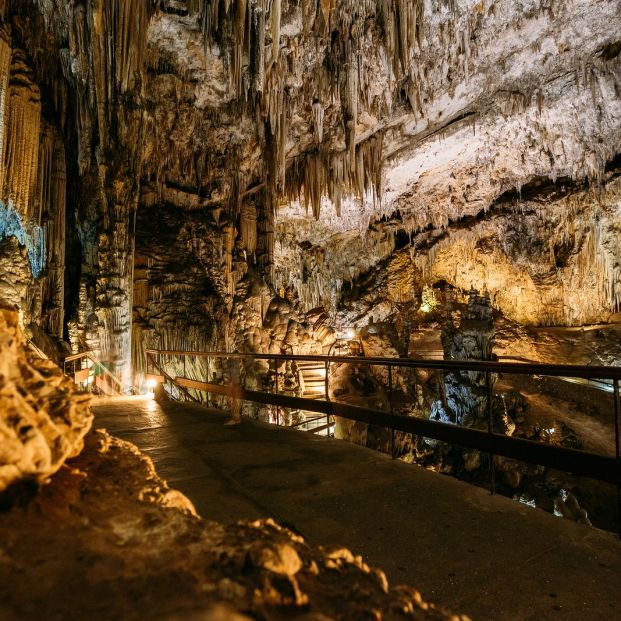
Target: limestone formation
[465, 398]
[43, 419]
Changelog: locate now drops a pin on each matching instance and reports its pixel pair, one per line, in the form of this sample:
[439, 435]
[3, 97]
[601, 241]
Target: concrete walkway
[478, 554]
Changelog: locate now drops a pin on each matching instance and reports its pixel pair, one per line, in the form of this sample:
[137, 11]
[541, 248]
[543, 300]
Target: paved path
[479, 554]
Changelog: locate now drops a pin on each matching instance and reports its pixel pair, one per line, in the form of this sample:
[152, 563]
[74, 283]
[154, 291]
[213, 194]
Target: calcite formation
[43, 418]
[148, 555]
[306, 146]
[466, 394]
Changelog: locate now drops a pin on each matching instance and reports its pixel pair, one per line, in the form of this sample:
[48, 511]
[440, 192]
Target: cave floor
[477, 554]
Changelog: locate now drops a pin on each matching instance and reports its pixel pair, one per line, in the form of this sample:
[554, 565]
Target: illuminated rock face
[43, 418]
[316, 147]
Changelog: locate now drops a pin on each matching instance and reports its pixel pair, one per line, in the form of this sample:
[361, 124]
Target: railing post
[276, 390]
[208, 380]
[488, 383]
[617, 448]
[392, 429]
[327, 390]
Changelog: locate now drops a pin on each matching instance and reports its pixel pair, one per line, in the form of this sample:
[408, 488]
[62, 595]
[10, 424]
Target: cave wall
[307, 147]
[550, 256]
[71, 134]
[32, 195]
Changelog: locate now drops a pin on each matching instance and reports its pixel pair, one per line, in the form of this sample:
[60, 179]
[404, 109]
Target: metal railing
[600, 384]
[597, 466]
[74, 365]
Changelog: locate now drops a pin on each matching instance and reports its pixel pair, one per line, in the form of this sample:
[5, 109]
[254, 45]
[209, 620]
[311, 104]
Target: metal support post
[327, 391]
[488, 382]
[617, 448]
[392, 429]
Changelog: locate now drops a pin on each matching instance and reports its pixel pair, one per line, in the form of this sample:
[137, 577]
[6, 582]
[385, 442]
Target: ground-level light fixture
[152, 380]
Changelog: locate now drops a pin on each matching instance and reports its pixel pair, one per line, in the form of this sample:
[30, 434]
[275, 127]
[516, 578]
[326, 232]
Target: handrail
[91, 356]
[593, 465]
[584, 463]
[490, 366]
[171, 379]
[72, 357]
[37, 350]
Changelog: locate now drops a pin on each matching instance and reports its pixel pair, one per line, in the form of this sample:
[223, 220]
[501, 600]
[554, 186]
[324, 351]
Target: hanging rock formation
[317, 140]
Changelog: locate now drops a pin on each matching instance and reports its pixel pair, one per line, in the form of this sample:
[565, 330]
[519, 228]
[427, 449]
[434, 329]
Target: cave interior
[405, 179]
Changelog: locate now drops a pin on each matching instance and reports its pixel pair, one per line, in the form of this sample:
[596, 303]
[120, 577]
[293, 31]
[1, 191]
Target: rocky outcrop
[43, 418]
[111, 533]
[465, 397]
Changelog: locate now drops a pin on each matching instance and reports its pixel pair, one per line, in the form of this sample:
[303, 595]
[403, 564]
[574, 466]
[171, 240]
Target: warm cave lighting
[425, 307]
[151, 381]
[351, 334]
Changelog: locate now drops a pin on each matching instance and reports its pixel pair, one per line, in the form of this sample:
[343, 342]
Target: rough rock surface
[43, 418]
[404, 126]
[108, 539]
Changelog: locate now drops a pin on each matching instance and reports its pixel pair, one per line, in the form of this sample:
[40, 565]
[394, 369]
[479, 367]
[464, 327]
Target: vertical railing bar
[327, 395]
[617, 448]
[276, 390]
[392, 429]
[208, 379]
[488, 382]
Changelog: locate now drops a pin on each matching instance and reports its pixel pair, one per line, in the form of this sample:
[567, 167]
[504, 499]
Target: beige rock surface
[43, 418]
[107, 539]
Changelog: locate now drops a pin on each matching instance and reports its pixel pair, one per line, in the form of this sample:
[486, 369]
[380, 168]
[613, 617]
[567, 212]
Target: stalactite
[318, 116]
[350, 107]
[22, 138]
[276, 11]
[5, 71]
[248, 220]
[256, 51]
[119, 52]
[54, 295]
[333, 175]
[402, 21]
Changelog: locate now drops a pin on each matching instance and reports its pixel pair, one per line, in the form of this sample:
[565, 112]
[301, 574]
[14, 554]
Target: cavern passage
[401, 220]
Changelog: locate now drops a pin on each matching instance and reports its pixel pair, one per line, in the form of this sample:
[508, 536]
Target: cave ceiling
[322, 144]
[467, 100]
